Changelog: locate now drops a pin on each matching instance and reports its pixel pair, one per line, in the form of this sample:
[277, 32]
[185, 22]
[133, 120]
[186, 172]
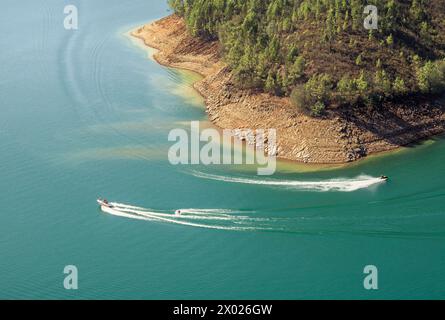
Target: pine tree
[271, 84]
[297, 69]
[361, 82]
[399, 86]
[382, 83]
[431, 77]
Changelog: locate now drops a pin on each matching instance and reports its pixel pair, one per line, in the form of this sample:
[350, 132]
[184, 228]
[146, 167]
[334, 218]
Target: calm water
[86, 113]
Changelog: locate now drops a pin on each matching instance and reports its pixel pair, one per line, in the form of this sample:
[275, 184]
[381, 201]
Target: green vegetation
[431, 77]
[318, 52]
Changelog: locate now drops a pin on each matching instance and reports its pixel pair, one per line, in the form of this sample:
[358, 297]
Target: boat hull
[104, 204]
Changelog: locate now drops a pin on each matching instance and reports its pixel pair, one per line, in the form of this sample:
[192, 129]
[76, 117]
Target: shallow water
[86, 114]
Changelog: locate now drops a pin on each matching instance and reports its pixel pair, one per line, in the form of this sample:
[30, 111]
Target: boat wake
[297, 222]
[340, 185]
[219, 219]
[224, 219]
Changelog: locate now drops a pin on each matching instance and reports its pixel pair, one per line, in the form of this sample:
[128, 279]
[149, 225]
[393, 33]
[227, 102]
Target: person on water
[178, 212]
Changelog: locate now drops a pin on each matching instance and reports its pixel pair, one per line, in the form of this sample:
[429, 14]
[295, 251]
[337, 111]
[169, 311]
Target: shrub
[317, 109]
[300, 98]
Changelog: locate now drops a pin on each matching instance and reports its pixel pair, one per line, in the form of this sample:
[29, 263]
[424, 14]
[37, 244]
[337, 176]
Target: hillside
[318, 51]
[335, 108]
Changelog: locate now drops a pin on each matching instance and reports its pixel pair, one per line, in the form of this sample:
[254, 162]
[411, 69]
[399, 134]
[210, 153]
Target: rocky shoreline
[341, 136]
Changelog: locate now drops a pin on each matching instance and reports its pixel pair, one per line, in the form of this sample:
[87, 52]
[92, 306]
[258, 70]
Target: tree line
[260, 44]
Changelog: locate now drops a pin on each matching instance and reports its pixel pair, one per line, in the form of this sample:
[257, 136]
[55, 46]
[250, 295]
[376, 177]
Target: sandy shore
[341, 136]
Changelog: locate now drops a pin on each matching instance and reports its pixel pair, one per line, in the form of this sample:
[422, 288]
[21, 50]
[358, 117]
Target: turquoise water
[86, 114]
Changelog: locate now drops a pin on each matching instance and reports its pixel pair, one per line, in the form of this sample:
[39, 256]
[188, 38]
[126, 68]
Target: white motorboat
[104, 203]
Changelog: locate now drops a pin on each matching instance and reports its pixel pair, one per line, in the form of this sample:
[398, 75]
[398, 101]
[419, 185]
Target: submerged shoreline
[340, 137]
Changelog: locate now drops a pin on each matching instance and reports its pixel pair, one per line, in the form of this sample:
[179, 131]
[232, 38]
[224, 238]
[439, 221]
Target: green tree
[399, 86]
[263, 42]
[271, 83]
[346, 87]
[362, 83]
[382, 83]
[431, 77]
[297, 69]
[319, 87]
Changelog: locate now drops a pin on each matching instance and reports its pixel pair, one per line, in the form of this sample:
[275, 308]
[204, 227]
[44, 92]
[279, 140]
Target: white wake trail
[147, 213]
[153, 216]
[342, 185]
[191, 224]
[118, 213]
[187, 214]
[209, 211]
[126, 206]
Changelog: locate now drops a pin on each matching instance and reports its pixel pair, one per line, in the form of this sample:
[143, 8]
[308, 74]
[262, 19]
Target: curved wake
[207, 218]
[341, 184]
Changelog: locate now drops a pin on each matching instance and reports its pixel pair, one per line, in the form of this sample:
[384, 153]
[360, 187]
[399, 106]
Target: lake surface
[86, 113]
